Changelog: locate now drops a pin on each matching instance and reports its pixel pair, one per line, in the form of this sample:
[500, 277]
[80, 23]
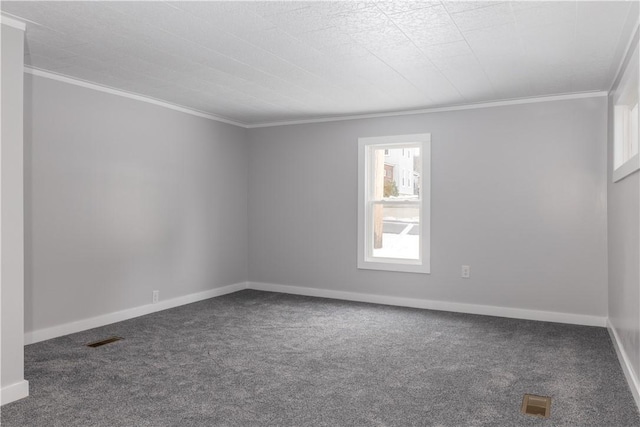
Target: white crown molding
[14, 392]
[12, 22]
[74, 81]
[119, 316]
[625, 363]
[486, 310]
[549, 98]
[118, 92]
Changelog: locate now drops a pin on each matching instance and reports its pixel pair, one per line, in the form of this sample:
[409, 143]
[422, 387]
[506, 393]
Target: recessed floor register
[538, 406]
[103, 342]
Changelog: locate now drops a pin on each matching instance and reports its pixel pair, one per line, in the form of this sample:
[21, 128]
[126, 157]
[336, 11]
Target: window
[394, 221]
[625, 118]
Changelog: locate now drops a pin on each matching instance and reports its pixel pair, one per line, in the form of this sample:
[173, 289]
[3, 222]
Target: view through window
[395, 203]
[625, 115]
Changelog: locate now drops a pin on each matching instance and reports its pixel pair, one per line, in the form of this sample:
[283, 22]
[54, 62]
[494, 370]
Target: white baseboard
[106, 319]
[14, 392]
[515, 313]
[118, 316]
[625, 363]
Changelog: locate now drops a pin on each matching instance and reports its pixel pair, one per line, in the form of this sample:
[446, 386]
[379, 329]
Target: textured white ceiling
[257, 62]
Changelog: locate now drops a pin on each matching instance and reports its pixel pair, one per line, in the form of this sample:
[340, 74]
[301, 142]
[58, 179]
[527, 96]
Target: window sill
[627, 168]
[393, 266]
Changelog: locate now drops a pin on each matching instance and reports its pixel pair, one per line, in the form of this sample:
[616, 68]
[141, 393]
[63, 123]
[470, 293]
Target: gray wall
[624, 254]
[124, 197]
[12, 255]
[518, 193]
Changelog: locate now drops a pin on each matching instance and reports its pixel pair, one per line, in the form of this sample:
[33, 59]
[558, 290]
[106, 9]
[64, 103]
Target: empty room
[319, 213]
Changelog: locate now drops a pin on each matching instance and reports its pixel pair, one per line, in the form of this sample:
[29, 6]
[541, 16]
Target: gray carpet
[265, 359]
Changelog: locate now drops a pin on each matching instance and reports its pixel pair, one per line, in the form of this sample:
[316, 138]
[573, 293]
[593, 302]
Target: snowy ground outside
[402, 245]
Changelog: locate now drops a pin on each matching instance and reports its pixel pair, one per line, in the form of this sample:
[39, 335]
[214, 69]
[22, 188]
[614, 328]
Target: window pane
[396, 232]
[633, 124]
[396, 173]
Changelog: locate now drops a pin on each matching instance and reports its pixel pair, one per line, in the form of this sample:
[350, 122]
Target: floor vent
[538, 406]
[103, 342]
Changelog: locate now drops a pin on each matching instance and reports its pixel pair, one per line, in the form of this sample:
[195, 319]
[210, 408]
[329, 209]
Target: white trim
[20, 390]
[119, 92]
[625, 363]
[118, 316]
[113, 91]
[624, 98]
[14, 392]
[563, 97]
[12, 22]
[627, 168]
[486, 310]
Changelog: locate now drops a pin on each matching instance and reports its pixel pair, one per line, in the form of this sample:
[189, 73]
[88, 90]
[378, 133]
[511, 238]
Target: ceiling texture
[266, 62]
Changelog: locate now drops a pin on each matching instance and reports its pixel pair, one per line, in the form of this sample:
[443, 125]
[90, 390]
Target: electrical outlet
[156, 296]
[466, 271]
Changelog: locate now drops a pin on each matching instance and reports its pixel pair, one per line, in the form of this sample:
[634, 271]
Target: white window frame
[625, 129]
[366, 260]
